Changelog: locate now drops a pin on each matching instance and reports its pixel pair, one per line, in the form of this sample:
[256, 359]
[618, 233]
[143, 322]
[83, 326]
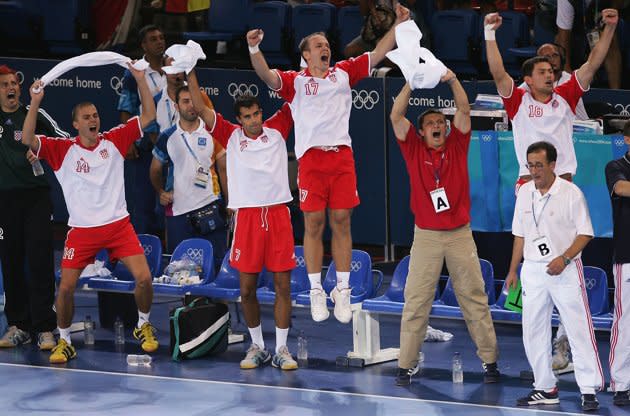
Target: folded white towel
[185, 57]
[408, 54]
[91, 59]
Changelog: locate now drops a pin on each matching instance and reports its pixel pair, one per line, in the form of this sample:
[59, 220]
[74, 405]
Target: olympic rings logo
[486, 137]
[299, 260]
[355, 266]
[116, 83]
[363, 99]
[590, 283]
[619, 142]
[195, 254]
[20, 76]
[235, 90]
[147, 250]
[624, 110]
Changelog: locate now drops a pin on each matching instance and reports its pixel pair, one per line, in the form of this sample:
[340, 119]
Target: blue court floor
[99, 382]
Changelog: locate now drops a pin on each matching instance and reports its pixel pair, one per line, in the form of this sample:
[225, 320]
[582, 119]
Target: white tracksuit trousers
[619, 359]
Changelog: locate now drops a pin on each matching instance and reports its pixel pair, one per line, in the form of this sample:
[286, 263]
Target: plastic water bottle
[143, 360]
[420, 362]
[88, 330]
[458, 371]
[302, 349]
[38, 169]
[119, 332]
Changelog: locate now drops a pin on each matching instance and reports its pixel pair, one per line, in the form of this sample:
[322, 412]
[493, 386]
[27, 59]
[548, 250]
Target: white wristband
[489, 33]
[253, 49]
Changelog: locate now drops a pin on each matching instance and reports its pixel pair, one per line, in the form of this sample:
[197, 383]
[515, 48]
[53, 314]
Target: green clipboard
[514, 301]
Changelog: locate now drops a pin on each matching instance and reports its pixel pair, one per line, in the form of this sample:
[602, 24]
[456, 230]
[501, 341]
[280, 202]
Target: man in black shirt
[618, 181]
[25, 226]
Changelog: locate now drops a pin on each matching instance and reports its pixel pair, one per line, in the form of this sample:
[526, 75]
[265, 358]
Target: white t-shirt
[321, 106]
[533, 121]
[92, 179]
[561, 214]
[257, 169]
[580, 110]
[186, 151]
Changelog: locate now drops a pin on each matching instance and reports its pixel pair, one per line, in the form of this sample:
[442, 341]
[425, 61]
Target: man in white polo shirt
[545, 112]
[320, 99]
[194, 158]
[551, 227]
[90, 169]
[257, 169]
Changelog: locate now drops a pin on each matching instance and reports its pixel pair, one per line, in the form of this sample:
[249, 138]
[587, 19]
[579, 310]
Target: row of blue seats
[365, 283]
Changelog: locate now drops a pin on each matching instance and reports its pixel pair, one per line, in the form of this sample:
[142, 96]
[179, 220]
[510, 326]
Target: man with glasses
[551, 227]
[440, 200]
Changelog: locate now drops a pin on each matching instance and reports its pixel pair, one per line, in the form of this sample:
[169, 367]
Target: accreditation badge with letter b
[543, 247]
[440, 201]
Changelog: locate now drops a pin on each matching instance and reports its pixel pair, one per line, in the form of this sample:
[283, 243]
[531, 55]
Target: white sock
[343, 280]
[64, 333]
[316, 281]
[142, 318]
[257, 337]
[281, 338]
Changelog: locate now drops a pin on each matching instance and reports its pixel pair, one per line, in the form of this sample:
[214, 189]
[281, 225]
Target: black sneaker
[491, 373]
[539, 397]
[404, 376]
[589, 402]
[621, 398]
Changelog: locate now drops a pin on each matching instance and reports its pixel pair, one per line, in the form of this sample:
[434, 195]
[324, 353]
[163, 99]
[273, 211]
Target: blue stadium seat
[226, 286]
[455, 35]
[64, 23]
[124, 281]
[299, 280]
[361, 280]
[513, 33]
[274, 18]
[349, 24]
[310, 18]
[596, 283]
[201, 252]
[498, 311]
[541, 36]
[21, 23]
[225, 21]
[447, 304]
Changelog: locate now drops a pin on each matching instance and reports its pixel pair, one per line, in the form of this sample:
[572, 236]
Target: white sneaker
[341, 299]
[319, 310]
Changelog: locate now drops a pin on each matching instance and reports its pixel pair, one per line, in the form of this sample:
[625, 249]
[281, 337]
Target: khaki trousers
[428, 252]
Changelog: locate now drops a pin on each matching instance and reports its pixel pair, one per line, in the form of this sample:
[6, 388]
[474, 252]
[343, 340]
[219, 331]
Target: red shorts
[82, 243]
[263, 237]
[327, 179]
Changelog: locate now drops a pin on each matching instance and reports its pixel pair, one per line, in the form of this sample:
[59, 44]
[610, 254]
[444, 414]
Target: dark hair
[179, 91]
[528, 65]
[79, 106]
[304, 42]
[559, 49]
[6, 70]
[146, 29]
[550, 150]
[244, 101]
[626, 129]
[426, 113]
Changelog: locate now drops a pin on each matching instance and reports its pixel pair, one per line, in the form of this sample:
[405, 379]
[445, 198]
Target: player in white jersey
[90, 169]
[545, 112]
[551, 227]
[320, 99]
[257, 170]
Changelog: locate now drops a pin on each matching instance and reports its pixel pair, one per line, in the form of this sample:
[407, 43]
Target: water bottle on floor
[88, 330]
[143, 360]
[458, 369]
[302, 350]
[119, 331]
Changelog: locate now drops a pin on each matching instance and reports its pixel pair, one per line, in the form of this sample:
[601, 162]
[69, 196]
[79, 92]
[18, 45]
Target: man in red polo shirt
[440, 201]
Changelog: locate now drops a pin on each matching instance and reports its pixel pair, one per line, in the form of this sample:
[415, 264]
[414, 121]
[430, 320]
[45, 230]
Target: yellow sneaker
[62, 352]
[146, 336]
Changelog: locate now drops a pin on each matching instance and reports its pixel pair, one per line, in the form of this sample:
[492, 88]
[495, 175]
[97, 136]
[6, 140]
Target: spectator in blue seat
[440, 200]
[618, 181]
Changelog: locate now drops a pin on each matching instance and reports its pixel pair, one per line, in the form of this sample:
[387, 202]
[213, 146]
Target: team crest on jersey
[243, 144]
[201, 141]
[264, 138]
[104, 154]
[332, 77]
[555, 104]
[82, 166]
[17, 135]
[303, 195]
